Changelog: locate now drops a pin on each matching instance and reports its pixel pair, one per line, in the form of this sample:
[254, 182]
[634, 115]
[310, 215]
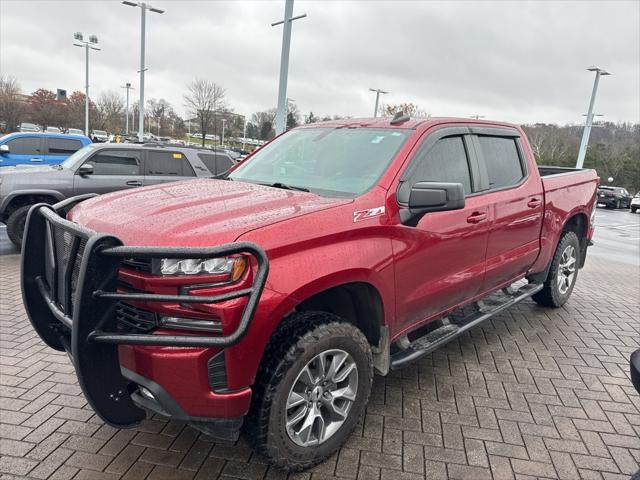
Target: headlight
[233, 266]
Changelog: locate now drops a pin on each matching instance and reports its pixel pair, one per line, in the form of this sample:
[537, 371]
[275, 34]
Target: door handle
[134, 183]
[534, 203]
[476, 217]
[36, 159]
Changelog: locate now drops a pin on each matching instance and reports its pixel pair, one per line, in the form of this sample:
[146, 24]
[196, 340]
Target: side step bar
[438, 337]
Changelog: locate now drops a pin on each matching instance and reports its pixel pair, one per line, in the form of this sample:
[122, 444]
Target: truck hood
[194, 213]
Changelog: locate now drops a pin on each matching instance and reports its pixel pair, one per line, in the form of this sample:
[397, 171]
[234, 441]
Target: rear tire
[562, 274]
[285, 398]
[15, 225]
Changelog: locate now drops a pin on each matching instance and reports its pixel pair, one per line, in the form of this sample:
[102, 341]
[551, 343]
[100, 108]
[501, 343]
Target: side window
[223, 163]
[209, 160]
[217, 163]
[502, 159]
[445, 161]
[168, 163]
[24, 146]
[115, 162]
[63, 146]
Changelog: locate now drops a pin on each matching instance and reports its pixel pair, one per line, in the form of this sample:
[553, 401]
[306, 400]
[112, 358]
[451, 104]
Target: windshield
[77, 157]
[327, 161]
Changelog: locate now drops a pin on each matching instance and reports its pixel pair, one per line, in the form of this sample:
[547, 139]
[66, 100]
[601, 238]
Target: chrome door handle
[36, 160]
[534, 203]
[134, 183]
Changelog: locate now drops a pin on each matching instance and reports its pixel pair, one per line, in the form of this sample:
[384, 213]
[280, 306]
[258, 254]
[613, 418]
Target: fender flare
[6, 201]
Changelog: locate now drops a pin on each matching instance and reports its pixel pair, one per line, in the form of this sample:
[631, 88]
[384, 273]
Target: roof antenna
[399, 118]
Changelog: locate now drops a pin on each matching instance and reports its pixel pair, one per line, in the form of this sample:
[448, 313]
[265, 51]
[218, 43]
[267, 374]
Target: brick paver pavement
[533, 393]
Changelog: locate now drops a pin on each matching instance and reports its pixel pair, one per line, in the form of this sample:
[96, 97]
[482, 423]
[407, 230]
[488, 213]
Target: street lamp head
[602, 71]
[93, 39]
[155, 10]
[77, 36]
[131, 4]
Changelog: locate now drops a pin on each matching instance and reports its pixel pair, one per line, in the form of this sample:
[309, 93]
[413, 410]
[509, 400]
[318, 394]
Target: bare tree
[203, 99]
[12, 108]
[264, 123]
[110, 110]
[411, 109]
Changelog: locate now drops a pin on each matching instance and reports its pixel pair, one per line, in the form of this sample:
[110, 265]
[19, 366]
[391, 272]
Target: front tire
[311, 390]
[562, 274]
[15, 225]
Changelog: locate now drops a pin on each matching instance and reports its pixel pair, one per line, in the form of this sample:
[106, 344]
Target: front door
[440, 261]
[23, 150]
[113, 169]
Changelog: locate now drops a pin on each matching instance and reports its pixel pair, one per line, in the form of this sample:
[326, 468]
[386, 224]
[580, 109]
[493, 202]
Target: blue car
[36, 148]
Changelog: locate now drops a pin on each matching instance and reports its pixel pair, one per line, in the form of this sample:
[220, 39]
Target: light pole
[378, 92]
[244, 134]
[281, 112]
[126, 115]
[224, 122]
[476, 116]
[90, 44]
[143, 15]
[589, 123]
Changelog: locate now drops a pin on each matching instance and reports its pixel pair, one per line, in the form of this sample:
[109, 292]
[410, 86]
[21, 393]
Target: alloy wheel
[566, 269]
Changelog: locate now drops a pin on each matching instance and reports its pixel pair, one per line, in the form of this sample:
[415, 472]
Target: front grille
[131, 319]
[142, 264]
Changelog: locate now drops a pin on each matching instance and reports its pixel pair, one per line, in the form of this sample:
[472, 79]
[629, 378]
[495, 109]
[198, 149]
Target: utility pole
[224, 122]
[589, 123]
[476, 116]
[244, 134]
[281, 112]
[126, 115]
[378, 92]
[143, 9]
[90, 44]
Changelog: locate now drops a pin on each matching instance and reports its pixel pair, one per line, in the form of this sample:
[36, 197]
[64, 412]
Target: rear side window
[115, 162]
[168, 163]
[446, 161]
[63, 146]
[502, 160]
[216, 163]
[24, 146]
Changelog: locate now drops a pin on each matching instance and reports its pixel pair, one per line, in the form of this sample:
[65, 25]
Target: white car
[53, 130]
[635, 203]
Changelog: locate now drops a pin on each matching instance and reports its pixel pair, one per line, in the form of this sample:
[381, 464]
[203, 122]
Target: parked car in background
[29, 127]
[100, 168]
[74, 131]
[635, 203]
[614, 197]
[336, 250]
[53, 130]
[99, 136]
[35, 148]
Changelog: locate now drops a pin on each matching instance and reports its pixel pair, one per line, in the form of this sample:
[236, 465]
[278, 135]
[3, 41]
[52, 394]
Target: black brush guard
[69, 283]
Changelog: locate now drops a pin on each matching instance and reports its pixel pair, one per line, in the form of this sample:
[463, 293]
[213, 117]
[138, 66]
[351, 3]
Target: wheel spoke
[307, 377]
[346, 393]
[291, 422]
[344, 373]
[295, 399]
[336, 364]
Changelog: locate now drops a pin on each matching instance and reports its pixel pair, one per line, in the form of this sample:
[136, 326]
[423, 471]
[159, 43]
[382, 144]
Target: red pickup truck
[269, 297]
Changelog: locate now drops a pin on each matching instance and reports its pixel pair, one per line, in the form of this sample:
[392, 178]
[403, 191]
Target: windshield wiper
[284, 186]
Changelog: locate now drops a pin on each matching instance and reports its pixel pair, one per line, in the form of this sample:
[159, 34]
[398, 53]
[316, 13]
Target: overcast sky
[522, 62]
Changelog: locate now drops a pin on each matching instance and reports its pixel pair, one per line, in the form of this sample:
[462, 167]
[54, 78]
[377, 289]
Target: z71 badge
[370, 213]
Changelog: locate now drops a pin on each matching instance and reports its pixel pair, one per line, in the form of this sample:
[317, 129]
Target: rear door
[24, 150]
[58, 149]
[516, 205]
[113, 169]
[163, 166]
[439, 262]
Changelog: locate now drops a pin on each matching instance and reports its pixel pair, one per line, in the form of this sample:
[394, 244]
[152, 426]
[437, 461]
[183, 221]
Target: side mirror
[85, 169]
[4, 148]
[428, 197]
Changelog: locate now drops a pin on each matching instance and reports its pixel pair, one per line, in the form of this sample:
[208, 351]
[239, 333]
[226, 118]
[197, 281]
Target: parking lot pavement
[532, 393]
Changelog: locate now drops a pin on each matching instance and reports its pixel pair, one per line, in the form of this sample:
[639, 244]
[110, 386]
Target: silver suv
[100, 168]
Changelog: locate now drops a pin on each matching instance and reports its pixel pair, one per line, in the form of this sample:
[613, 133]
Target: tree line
[614, 148]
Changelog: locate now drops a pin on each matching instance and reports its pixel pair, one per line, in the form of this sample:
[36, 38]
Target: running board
[438, 337]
